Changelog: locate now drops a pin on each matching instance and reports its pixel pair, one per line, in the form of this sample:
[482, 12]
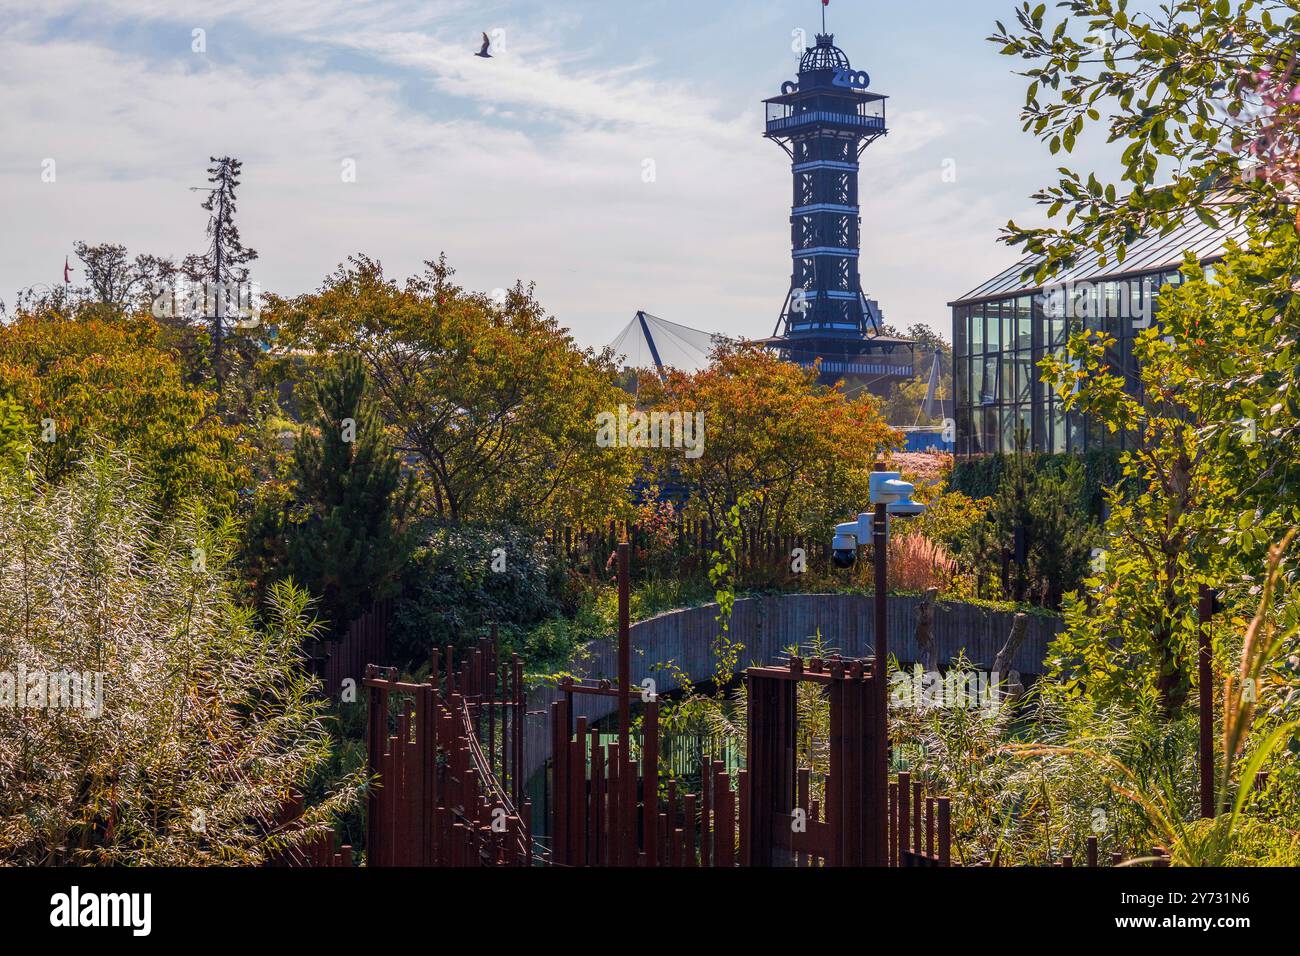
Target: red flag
[67, 271]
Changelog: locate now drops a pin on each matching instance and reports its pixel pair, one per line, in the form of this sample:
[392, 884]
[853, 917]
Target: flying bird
[487, 42]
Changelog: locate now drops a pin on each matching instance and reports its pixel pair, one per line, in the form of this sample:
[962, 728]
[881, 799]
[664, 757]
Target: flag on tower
[67, 271]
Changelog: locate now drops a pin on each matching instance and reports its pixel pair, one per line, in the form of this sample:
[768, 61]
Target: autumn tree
[492, 401]
[798, 453]
[82, 381]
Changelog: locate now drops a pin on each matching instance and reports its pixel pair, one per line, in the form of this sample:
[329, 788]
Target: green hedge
[980, 477]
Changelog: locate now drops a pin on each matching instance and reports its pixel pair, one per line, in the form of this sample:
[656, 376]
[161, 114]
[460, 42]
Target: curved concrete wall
[770, 624]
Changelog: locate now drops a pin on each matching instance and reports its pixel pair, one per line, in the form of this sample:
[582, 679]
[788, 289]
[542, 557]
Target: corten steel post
[879, 546]
[1205, 611]
[650, 783]
[376, 732]
[880, 778]
[624, 647]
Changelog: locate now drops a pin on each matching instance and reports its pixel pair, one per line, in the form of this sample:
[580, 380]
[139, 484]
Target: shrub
[206, 722]
[982, 476]
[450, 592]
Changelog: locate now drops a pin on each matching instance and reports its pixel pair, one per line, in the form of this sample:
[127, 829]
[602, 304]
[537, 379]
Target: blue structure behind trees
[824, 121]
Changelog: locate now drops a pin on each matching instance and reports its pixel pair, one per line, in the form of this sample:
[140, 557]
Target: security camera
[848, 538]
[887, 488]
[845, 558]
[844, 548]
[906, 509]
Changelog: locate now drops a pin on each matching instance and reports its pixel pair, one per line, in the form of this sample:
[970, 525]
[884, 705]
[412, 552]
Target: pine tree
[1044, 525]
[349, 538]
[224, 262]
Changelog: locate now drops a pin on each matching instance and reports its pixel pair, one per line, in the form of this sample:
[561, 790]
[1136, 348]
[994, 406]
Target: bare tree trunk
[1006, 679]
[925, 629]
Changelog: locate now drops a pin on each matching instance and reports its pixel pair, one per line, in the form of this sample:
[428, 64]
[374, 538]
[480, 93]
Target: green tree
[348, 539]
[1192, 89]
[1039, 516]
[1213, 463]
[223, 265]
[1203, 94]
[492, 402]
[117, 284]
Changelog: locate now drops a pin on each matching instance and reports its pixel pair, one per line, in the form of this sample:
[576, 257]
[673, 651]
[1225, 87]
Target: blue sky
[527, 166]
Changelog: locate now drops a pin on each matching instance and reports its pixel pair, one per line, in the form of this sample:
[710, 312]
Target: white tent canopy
[651, 342]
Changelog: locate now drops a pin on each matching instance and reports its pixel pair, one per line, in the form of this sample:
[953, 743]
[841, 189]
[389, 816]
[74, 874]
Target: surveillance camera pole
[879, 547]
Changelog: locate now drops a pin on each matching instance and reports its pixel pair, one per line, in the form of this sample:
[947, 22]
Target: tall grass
[208, 720]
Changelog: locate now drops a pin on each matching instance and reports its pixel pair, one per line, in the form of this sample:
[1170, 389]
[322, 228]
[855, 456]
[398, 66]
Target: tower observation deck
[824, 121]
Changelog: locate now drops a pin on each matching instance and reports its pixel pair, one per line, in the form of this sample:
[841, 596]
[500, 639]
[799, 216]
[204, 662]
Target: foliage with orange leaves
[770, 428]
[113, 381]
[492, 401]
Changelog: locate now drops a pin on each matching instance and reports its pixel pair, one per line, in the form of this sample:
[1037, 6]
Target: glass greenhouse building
[1002, 330]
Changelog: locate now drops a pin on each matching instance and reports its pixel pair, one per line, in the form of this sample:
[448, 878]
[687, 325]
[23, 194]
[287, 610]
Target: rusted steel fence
[449, 758]
[920, 827]
[448, 755]
[608, 809]
[365, 643]
[319, 850]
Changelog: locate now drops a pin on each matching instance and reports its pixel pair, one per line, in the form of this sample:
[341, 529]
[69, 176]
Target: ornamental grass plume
[917, 563]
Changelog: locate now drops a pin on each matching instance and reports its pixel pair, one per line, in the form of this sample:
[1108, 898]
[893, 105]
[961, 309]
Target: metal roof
[1156, 253]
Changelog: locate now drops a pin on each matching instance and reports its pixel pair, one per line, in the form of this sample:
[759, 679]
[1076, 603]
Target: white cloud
[533, 171]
